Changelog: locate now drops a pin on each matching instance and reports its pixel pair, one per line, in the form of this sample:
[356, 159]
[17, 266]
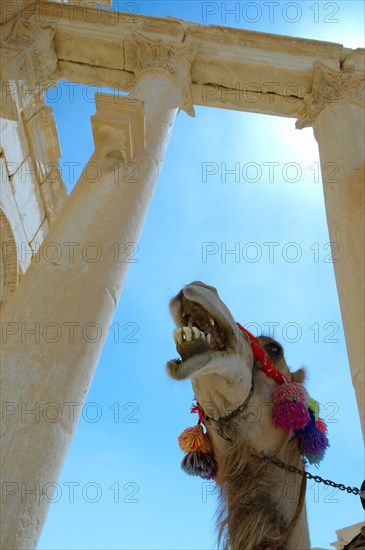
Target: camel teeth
[209, 337]
[188, 333]
[178, 336]
[211, 320]
[191, 321]
[196, 332]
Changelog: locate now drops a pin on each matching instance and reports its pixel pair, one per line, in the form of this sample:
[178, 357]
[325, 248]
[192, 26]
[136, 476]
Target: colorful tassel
[290, 408]
[313, 439]
[194, 439]
[314, 445]
[199, 460]
[309, 427]
[200, 464]
[321, 425]
[314, 406]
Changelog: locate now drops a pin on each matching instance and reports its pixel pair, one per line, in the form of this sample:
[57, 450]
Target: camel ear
[298, 376]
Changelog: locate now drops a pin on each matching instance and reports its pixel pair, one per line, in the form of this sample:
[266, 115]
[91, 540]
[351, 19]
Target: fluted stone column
[54, 328]
[335, 109]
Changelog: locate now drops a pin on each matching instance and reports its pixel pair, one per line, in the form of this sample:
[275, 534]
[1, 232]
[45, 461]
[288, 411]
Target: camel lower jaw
[181, 369]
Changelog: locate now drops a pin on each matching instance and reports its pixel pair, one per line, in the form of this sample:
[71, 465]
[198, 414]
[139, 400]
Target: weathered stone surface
[345, 535]
[43, 142]
[12, 132]
[30, 62]
[172, 58]
[29, 141]
[40, 235]
[9, 9]
[354, 61]
[339, 130]
[9, 264]
[102, 210]
[330, 87]
[10, 210]
[28, 198]
[278, 67]
[53, 193]
[129, 131]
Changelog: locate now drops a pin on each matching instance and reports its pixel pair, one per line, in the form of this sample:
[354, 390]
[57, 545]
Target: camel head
[217, 357]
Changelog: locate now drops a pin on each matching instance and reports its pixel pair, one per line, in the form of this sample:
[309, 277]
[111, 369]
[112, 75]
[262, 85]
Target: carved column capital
[329, 87]
[30, 64]
[173, 59]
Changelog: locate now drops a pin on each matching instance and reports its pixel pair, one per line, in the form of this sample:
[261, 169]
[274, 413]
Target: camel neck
[263, 504]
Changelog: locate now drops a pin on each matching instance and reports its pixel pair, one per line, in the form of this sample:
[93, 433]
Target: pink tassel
[290, 409]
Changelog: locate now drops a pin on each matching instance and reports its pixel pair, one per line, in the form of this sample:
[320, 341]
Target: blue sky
[124, 462]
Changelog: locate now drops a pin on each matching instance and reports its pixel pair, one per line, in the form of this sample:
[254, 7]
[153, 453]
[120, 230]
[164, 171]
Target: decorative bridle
[294, 411]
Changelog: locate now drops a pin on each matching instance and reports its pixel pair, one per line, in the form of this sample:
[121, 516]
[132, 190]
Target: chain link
[308, 475]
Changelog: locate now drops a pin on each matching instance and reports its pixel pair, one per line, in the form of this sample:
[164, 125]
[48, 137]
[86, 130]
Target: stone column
[335, 109]
[54, 327]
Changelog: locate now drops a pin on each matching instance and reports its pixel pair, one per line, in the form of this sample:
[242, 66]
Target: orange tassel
[194, 439]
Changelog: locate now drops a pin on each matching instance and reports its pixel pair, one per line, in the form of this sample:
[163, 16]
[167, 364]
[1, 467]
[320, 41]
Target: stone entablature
[240, 70]
[233, 68]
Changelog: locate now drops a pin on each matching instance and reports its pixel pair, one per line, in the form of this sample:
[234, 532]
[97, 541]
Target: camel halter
[294, 411]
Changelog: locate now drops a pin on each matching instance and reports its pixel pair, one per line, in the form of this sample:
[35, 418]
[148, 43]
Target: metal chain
[308, 475]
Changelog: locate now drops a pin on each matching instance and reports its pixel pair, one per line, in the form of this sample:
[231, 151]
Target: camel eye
[274, 350]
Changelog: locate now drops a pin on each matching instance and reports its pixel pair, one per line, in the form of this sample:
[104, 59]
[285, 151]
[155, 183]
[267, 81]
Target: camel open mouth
[204, 324]
[199, 333]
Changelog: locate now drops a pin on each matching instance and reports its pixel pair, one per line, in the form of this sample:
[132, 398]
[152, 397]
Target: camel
[261, 505]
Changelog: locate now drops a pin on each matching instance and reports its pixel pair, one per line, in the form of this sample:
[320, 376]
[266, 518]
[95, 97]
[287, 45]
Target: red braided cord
[267, 367]
[260, 355]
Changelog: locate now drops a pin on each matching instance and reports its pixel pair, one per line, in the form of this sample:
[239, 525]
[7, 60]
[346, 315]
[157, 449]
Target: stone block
[14, 143]
[9, 8]
[39, 236]
[9, 207]
[43, 142]
[12, 83]
[126, 117]
[53, 193]
[28, 198]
